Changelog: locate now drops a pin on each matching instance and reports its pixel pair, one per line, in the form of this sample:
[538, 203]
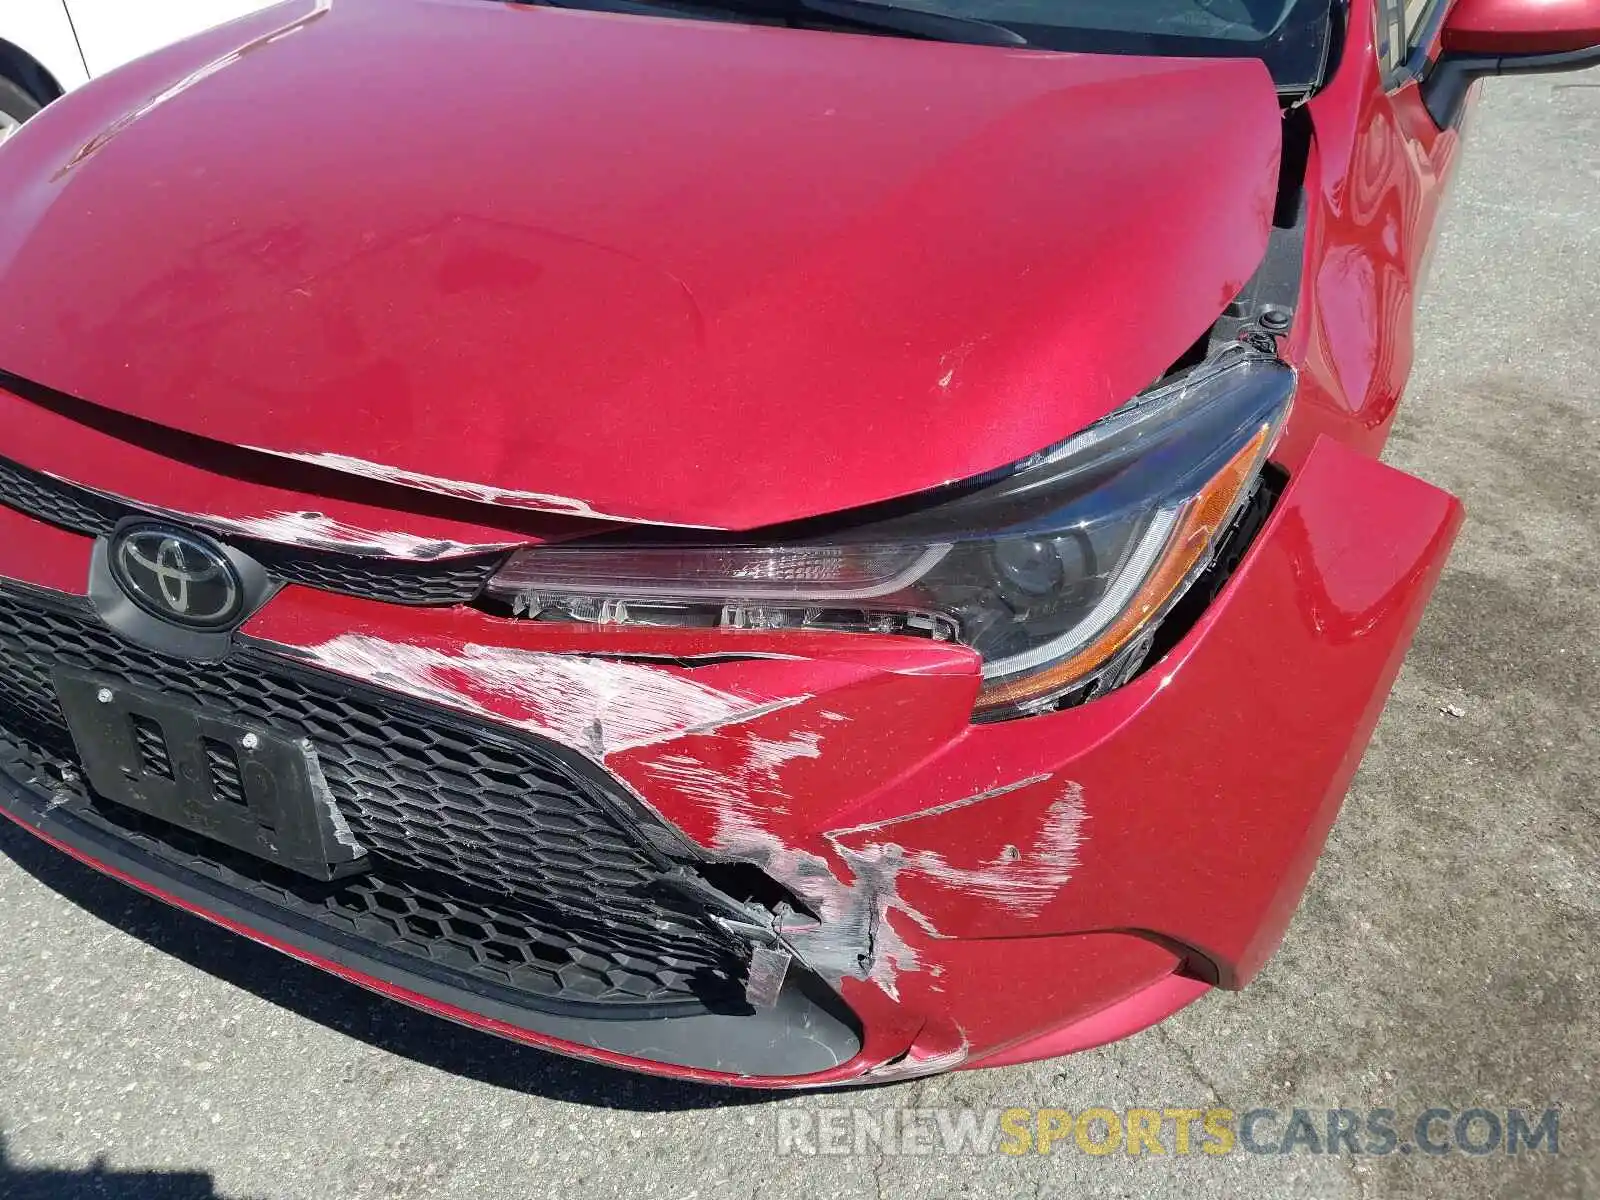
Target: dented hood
[664, 270]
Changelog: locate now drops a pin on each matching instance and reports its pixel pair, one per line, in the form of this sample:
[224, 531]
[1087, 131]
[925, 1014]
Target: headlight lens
[1055, 570]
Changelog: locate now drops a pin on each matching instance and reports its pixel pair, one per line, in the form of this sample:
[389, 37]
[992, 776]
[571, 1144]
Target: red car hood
[664, 270]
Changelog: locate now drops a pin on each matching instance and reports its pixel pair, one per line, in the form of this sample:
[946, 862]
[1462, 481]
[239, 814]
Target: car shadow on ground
[347, 1009]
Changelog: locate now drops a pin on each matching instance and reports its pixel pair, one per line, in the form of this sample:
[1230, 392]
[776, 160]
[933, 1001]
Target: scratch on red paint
[602, 706]
[317, 530]
[1023, 879]
[460, 489]
[595, 705]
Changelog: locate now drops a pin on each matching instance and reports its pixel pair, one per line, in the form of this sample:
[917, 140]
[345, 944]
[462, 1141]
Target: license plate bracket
[236, 782]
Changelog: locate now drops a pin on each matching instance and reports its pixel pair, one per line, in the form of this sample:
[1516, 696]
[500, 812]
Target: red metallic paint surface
[41, 554]
[1522, 26]
[1203, 802]
[1374, 184]
[214, 484]
[1206, 786]
[682, 257]
[747, 303]
[1139, 1011]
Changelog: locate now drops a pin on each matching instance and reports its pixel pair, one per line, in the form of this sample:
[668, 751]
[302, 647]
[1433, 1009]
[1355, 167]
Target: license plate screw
[103, 695]
[249, 741]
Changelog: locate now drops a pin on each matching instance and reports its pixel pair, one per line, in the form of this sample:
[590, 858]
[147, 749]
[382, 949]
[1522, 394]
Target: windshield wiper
[860, 14]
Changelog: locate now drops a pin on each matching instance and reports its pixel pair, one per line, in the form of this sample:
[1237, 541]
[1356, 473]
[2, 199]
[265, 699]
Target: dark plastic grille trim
[808, 1031]
[495, 857]
[456, 580]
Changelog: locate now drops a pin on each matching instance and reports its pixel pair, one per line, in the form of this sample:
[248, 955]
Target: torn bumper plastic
[943, 894]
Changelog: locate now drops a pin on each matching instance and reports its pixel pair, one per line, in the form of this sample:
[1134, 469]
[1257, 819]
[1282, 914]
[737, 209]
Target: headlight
[1055, 570]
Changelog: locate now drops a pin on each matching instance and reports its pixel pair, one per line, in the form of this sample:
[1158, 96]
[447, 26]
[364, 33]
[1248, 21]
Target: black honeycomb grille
[459, 929]
[492, 855]
[394, 580]
[456, 580]
[49, 499]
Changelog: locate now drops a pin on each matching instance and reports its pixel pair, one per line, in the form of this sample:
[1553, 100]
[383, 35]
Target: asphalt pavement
[1445, 955]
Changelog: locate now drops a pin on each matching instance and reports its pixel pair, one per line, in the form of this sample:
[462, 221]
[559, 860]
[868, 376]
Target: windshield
[1241, 20]
[1291, 36]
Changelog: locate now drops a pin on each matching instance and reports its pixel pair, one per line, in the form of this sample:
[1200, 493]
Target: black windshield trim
[1297, 55]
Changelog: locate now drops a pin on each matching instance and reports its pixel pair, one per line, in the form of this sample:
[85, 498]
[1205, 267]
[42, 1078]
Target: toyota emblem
[181, 577]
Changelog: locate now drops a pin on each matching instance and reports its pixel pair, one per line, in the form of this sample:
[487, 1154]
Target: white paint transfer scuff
[951, 806]
[321, 532]
[768, 755]
[1021, 879]
[853, 935]
[312, 530]
[595, 705]
[914, 1067]
[460, 489]
[857, 897]
[600, 706]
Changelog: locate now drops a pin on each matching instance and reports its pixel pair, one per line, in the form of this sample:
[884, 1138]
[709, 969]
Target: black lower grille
[492, 856]
[456, 580]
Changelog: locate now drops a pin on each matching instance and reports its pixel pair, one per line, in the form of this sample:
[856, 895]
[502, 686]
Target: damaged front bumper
[904, 891]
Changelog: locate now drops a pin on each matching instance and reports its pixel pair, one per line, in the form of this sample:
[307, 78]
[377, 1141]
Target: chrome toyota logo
[177, 576]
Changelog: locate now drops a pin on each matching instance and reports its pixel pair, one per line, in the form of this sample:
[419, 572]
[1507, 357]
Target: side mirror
[1508, 37]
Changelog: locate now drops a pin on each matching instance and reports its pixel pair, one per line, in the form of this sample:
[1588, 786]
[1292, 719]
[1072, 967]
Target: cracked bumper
[978, 895]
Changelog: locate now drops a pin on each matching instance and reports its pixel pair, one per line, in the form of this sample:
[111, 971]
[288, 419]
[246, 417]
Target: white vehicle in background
[49, 47]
